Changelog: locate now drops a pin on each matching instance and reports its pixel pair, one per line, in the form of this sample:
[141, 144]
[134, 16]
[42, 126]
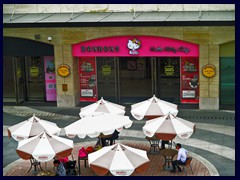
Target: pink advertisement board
[140, 46]
[50, 78]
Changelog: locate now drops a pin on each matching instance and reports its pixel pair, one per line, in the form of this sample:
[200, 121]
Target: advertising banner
[189, 80]
[88, 79]
[50, 78]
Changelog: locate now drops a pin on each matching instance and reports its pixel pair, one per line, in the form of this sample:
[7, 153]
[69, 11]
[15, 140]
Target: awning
[68, 19]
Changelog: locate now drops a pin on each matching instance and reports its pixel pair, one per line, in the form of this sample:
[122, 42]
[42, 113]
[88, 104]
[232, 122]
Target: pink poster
[50, 78]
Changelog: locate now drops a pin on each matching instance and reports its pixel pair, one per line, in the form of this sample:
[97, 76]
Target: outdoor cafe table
[154, 145]
[168, 155]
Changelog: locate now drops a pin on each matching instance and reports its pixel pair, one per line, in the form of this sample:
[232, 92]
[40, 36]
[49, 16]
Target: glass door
[35, 78]
[106, 78]
[168, 79]
[135, 76]
[9, 94]
[19, 79]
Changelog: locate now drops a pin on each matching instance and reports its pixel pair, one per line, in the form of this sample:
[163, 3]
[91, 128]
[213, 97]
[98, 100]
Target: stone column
[209, 87]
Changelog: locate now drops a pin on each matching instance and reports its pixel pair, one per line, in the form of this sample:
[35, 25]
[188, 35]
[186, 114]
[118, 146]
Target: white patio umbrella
[102, 106]
[119, 159]
[32, 127]
[153, 107]
[168, 127]
[44, 147]
[96, 124]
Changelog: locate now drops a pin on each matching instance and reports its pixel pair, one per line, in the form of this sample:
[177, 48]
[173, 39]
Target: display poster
[88, 79]
[50, 78]
[189, 80]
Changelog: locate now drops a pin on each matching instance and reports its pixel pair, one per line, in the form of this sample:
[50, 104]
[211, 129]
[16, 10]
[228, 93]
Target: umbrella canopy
[32, 127]
[96, 124]
[102, 106]
[44, 147]
[119, 159]
[168, 127]
[153, 107]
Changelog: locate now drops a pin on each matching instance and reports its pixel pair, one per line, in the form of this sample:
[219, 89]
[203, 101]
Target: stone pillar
[63, 55]
[209, 87]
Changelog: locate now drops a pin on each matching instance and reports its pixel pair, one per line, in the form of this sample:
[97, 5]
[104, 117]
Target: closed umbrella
[168, 127]
[96, 124]
[119, 159]
[153, 107]
[32, 127]
[102, 106]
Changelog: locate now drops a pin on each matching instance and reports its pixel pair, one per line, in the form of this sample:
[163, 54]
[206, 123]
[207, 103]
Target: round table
[168, 155]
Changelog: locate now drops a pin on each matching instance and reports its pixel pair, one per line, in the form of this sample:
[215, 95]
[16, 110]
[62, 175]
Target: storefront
[28, 71]
[128, 69]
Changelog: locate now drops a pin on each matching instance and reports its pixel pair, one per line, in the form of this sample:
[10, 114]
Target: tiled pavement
[213, 143]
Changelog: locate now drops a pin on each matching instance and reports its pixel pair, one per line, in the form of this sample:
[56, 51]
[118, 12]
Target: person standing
[181, 159]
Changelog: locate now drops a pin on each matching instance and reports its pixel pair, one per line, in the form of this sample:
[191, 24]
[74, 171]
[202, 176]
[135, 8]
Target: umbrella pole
[45, 168]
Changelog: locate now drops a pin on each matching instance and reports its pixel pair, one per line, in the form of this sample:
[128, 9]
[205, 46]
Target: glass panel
[35, 77]
[106, 78]
[168, 79]
[135, 79]
[19, 68]
[9, 94]
[227, 85]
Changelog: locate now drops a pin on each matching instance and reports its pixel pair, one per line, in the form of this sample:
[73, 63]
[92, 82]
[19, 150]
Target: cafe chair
[186, 165]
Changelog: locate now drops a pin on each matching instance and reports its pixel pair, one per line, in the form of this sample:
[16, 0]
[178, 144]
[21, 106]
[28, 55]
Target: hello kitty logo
[133, 45]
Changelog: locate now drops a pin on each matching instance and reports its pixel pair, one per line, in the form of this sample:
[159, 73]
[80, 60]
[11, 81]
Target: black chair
[70, 167]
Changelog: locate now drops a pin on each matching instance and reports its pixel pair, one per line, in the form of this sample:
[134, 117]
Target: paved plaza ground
[212, 145]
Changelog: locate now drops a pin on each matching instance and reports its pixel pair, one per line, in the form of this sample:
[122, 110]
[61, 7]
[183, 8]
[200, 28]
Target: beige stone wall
[208, 38]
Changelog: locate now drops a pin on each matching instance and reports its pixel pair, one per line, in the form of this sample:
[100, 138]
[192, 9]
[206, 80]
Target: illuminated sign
[63, 70]
[209, 70]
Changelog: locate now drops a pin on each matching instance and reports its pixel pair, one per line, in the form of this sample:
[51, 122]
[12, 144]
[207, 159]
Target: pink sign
[141, 46]
[50, 78]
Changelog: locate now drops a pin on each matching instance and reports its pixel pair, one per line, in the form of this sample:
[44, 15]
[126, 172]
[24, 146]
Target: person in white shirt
[181, 159]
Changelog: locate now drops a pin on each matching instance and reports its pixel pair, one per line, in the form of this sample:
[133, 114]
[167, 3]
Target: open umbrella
[153, 107]
[96, 124]
[44, 147]
[32, 127]
[168, 127]
[102, 106]
[119, 159]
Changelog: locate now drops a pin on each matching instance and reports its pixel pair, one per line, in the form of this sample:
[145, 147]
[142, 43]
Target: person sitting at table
[181, 158]
[61, 171]
[113, 137]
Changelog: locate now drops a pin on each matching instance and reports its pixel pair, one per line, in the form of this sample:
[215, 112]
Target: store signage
[88, 79]
[34, 71]
[99, 49]
[141, 46]
[169, 70]
[63, 70]
[188, 94]
[106, 70]
[170, 49]
[209, 70]
[189, 80]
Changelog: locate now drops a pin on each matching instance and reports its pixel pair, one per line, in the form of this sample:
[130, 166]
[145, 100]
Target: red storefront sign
[88, 79]
[189, 80]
